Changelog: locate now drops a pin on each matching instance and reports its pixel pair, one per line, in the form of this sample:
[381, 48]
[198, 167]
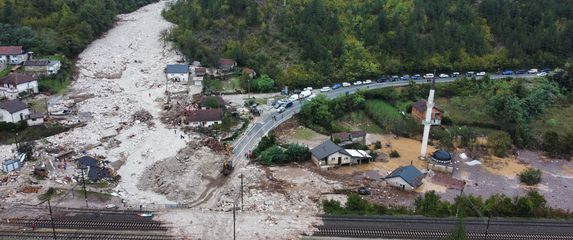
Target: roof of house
[204, 115]
[248, 71]
[53, 62]
[409, 173]
[205, 100]
[420, 105]
[346, 135]
[200, 70]
[13, 106]
[11, 50]
[17, 78]
[357, 153]
[226, 61]
[37, 63]
[177, 68]
[36, 115]
[325, 149]
[86, 161]
[97, 173]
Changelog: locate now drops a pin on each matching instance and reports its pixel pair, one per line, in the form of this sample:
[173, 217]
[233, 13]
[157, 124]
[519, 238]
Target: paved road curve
[252, 136]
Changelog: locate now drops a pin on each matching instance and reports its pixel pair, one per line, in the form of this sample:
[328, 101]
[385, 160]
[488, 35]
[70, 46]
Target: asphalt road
[253, 135]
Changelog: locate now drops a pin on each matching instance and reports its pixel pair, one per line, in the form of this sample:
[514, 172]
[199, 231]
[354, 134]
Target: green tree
[273, 155]
[530, 176]
[264, 84]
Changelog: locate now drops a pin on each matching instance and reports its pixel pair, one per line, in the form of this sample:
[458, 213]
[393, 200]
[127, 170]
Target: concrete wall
[35, 122]
[399, 183]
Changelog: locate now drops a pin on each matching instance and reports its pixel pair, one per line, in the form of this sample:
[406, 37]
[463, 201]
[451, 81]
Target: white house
[405, 177]
[15, 83]
[328, 154]
[13, 111]
[204, 117]
[44, 67]
[35, 119]
[177, 72]
[12, 55]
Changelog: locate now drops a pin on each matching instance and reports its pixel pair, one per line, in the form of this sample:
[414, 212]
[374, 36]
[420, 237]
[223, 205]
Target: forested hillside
[319, 41]
[59, 26]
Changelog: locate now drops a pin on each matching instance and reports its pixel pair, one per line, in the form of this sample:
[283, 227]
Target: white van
[305, 94]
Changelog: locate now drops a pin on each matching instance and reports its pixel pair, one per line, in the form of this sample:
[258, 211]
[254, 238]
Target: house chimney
[30, 55]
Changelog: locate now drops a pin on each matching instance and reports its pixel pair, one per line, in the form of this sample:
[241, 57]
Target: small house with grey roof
[15, 83]
[405, 177]
[328, 154]
[13, 111]
[177, 72]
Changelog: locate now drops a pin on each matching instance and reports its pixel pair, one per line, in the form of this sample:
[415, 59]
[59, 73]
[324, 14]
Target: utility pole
[84, 187]
[52, 219]
[241, 190]
[487, 226]
[234, 221]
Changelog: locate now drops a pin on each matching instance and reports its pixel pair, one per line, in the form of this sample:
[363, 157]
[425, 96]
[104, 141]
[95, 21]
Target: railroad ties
[440, 228]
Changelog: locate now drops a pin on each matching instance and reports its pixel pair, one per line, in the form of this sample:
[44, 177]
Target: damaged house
[328, 154]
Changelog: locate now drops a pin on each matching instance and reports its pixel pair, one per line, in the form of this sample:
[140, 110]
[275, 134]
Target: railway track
[90, 224]
[439, 228]
[81, 235]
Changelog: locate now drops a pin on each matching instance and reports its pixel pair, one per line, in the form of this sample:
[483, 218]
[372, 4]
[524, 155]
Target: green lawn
[359, 121]
[556, 119]
[380, 109]
[231, 85]
[304, 133]
[467, 110]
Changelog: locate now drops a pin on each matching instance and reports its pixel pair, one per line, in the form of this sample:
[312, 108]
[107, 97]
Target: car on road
[296, 91]
[363, 191]
[416, 77]
[305, 94]
[507, 72]
[384, 78]
[325, 89]
[546, 70]
[307, 89]
[542, 74]
[520, 71]
[533, 71]
[443, 75]
[288, 104]
[367, 81]
[357, 83]
[345, 84]
[405, 77]
[455, 74]
[480, 74]
[428, 75]
[470, 74]
[336, 86]
[293, 98]
[281, 109]
[395, 78]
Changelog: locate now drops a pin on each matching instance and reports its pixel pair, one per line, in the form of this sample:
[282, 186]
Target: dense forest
[59, 26]
[311, 42]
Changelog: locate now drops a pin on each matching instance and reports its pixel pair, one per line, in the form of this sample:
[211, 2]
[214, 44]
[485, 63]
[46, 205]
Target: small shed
[11, 165]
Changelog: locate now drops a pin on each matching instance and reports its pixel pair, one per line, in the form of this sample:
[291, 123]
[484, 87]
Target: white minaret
[428, 121]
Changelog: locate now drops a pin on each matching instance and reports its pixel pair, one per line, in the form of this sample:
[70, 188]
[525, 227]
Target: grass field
[557, 119]
[379, 110]
[359, 121]
[468, 110]
[304, 133]
[231, 85]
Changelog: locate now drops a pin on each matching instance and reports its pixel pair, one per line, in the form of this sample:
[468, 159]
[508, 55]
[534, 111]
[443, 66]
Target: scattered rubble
[142, 116]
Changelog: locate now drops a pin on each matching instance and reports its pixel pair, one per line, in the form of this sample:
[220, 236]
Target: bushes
[355, 205]
[377, 145]
[499, 143]
[530, 176]
[268, 152]
[394, 154]
[13, 127]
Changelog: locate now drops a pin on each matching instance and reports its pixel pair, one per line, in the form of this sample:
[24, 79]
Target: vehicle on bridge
[336, 86]
[368, 81]
[443, 75]
[428, 76]
[325, 89]
[533, 71]
[357, 83]
[507, 72]
[480, 74]
[470, 74]
[455, 74]
[520, 71]
[345, 84]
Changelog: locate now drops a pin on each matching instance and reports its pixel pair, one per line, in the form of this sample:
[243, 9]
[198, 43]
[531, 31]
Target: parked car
[325, 89]
[288, 104]
[546, 70]
[533, 71]
[281, 109]
[443, 75]
[395, 78]
[367, 81]
[293, 98]
[305, 94]
[345, 84]
[428, 75]
[296, 91]
[383, 78]
[480, 74]
[542, 74]
[470, 74]
[405, 77]
[455, 74]
[307, 89]
[336, 86]
[520, 71]
[363, 191]
[507, 72]
[358, 83]
[416, 76]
